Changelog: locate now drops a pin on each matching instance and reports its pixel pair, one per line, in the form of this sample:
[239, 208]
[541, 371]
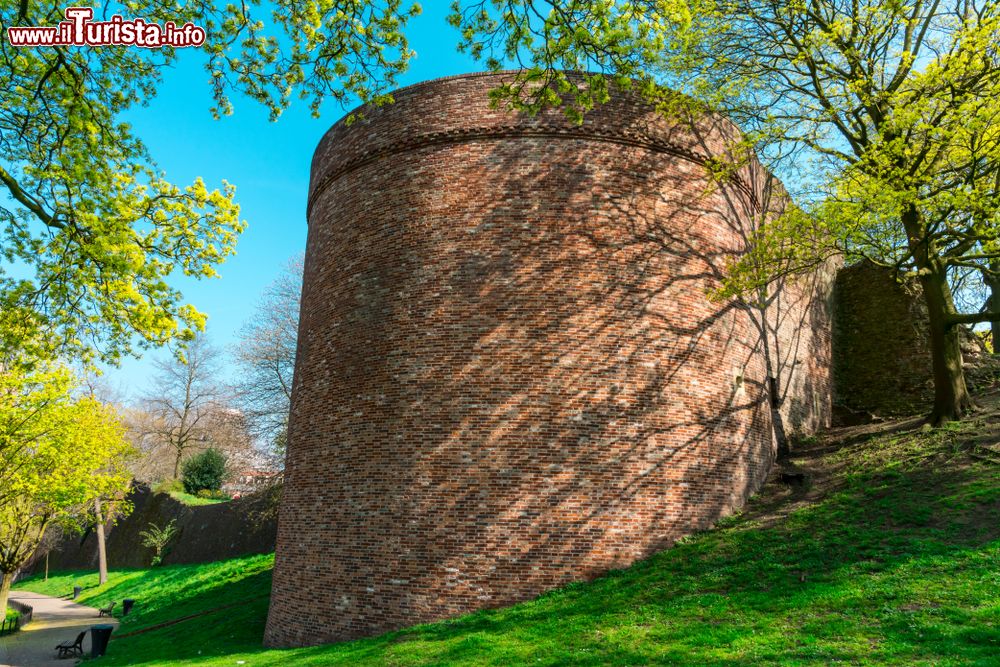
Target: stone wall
[204, 533]
[881, 359]
[882, 362]
[509, 374]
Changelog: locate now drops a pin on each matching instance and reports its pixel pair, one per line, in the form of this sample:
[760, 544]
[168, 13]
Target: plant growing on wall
[157, 539]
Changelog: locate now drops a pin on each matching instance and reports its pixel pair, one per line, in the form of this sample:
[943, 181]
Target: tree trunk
[951, 396]
[777, 422]
[177, 463]
[46, 566]
[102, 553]
[772, 361]
[6, 579]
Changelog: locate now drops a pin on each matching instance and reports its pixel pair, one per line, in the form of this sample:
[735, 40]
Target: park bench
[106, 611]
[67, 649]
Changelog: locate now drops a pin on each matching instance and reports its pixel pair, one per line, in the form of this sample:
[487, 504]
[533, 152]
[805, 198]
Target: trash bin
[127, 606]
[99, 637]
[76, 591]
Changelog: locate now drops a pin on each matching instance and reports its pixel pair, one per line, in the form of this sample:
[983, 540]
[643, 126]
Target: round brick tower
[509, 374]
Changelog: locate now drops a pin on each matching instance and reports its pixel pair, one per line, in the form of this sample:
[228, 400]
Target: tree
[98, 390]
[58, 454]
[154, 460]
[884, 115]
[265, 356]
[50, 540]
[222, 427]
[90, 226]
[184, 395]
[102, 549]
[108, 509]
[228, 431]
[204, 471]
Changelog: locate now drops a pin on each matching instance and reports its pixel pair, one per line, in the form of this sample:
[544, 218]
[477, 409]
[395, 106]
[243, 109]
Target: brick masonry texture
[881, 353]
[205, 533]
[881, 359]
[509, 374]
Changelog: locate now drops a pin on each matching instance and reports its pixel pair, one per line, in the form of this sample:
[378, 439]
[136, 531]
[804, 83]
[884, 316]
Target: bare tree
[220, 426]
[265, 356]
[155, 460]
[185, 392]
[227, 430]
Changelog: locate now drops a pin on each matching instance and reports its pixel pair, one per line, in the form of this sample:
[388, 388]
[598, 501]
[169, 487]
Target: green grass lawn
[892, 557]
[193, 500]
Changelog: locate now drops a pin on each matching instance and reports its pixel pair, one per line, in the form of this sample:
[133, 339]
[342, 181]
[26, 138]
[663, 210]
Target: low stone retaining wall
[24, 611]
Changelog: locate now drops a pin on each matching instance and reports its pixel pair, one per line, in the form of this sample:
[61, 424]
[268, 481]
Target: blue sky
[269, 164]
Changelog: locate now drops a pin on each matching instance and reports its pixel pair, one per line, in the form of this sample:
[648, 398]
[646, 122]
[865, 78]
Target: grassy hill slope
[889, 555]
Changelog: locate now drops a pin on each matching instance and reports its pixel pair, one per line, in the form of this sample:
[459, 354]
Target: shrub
[204, 470]
[157, 538]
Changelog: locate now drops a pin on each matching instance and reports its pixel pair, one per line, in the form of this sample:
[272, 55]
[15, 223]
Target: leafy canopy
[90, 228]
[917, 187]
[606, 42]
[58, 453]
[867, 109]
[882, 118]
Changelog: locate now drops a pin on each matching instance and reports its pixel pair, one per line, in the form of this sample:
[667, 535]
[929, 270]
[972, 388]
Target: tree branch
[27, 200]
[971, 318]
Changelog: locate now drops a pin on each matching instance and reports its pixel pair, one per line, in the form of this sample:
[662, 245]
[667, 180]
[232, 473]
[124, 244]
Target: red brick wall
[509, 375]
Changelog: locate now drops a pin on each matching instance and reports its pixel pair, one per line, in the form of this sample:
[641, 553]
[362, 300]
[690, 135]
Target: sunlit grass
[898, 563]
[195, 501]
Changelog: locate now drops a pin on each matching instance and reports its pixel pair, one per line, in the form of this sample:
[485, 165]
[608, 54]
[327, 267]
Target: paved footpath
[54, 621]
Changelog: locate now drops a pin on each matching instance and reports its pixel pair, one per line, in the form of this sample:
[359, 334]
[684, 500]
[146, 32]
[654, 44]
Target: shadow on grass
[168, 593]
[896, 566]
